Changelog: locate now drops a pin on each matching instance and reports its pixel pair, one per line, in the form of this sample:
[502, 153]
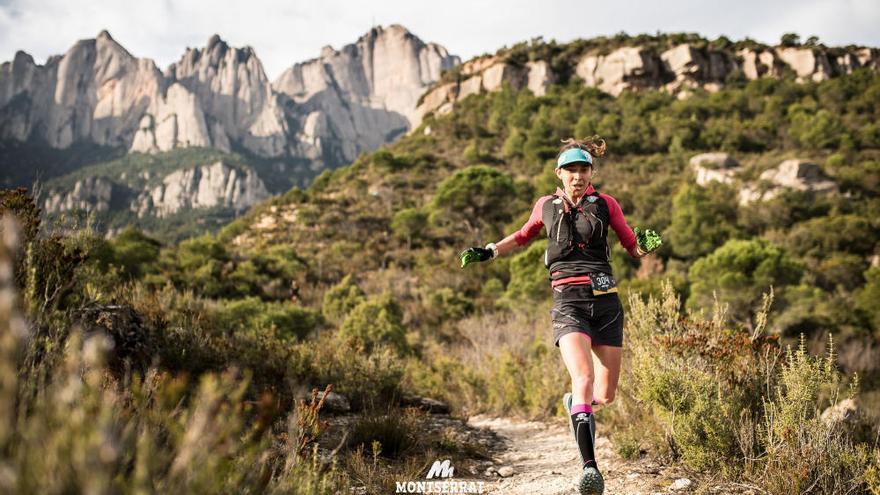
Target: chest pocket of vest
[587, 224]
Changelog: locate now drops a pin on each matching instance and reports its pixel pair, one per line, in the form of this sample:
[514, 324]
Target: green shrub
[529, 380]
[697, 374]
[804, 452]
[134, 252]
[724, 396]
[470, 197]
[52, 264]
[253, 315]
[866, 298]
[409, 224]
[83, 429]
[397, 434]
[340, 299]
[528, 277]
[374, 322]
[702, 219]
[445, 305]
[738, 272]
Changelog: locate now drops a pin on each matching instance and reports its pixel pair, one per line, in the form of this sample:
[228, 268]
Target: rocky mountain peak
[22, 57]
[234, 94]
[362, 95]
[214, 40]
[343, 103]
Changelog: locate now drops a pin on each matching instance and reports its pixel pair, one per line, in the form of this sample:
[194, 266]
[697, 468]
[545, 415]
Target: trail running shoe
[591, 482]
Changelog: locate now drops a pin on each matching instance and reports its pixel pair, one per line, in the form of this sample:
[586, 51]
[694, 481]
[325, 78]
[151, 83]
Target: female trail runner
[587, 314]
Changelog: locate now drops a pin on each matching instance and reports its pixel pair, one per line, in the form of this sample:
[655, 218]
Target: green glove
[474, 254]
[648, 241]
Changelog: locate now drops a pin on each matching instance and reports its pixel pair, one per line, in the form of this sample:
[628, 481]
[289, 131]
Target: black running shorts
[576, 309]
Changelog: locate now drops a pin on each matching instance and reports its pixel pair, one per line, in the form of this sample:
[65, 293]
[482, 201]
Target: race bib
[603, 283]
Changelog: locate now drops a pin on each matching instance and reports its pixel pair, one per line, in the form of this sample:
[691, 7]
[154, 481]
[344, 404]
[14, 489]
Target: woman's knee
[604, 398]
[582, 380]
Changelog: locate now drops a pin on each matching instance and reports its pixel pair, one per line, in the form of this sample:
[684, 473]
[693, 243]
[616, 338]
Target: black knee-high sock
[583, 434]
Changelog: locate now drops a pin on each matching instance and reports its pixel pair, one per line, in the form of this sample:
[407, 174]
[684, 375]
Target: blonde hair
[594, 145]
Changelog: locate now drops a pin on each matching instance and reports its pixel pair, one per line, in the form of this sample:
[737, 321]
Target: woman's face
[575, 177]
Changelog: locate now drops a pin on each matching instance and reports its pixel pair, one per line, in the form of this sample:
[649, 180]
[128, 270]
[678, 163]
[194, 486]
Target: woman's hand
[646, 242]
[474, 254]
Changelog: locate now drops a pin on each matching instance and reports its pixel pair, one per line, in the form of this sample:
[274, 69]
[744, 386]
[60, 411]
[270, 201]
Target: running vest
[578, 236]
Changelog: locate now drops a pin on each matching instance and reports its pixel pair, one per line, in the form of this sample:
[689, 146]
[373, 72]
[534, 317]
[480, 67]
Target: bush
[134, 252]
[724, 397]
[698, 374]
[253, 315]
[528, 276]
[702, 219]
[471, 197]
[340, 299]
[804, 452]
[375, 322]
[201, 262]
[866, 298]
[409, 224]
[71, 425]
[737, 273]
[445, 305]
[397, 435]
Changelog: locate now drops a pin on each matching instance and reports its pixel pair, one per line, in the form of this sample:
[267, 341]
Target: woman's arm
[508, 244]
[621, 228]
[527, 233]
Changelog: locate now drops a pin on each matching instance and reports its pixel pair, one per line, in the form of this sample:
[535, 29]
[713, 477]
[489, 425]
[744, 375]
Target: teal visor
[573, 155]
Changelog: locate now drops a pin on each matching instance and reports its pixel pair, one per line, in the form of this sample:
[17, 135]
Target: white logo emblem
[582, 416]
[440, 469]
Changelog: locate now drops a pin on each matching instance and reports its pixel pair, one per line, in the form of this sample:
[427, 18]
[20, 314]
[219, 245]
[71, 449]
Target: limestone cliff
[212, 185]
[207, 186]
[326, 111]
[234, 92]
[363, 95]
[679, 69]
[96, 92]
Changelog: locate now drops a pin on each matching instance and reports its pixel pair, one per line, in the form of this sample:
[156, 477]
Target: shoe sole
[591, 482]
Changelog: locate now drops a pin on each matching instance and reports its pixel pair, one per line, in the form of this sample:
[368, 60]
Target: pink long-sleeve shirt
[535, 223]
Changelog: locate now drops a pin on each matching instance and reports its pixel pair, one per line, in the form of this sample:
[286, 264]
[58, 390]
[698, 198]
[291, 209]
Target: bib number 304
[603, 283]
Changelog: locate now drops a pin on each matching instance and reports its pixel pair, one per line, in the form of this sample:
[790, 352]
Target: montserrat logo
[441, 469]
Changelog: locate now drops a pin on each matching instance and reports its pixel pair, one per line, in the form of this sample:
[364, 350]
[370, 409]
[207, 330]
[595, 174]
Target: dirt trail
[544, 460]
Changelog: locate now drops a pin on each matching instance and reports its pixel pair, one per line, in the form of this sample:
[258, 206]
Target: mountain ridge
[216, 95]
[675, 63]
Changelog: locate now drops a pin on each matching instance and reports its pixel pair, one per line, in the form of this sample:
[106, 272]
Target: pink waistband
[577, 280]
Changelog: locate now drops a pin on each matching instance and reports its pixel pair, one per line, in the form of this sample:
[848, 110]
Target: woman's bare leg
[606, 366]
[575, 349]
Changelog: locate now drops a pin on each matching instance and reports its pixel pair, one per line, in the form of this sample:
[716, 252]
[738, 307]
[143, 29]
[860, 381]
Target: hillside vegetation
[355, 282]
[134, 173]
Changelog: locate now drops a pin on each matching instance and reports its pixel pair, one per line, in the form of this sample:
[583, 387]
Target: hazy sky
[285, 32]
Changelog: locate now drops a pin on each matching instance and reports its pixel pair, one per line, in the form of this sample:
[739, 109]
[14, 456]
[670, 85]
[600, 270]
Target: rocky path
[541, 459]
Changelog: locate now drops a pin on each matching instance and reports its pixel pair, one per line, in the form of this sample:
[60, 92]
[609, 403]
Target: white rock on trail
[506, 471]
[680, 484]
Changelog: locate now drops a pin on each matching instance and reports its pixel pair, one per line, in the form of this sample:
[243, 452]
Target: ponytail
[594, 145]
